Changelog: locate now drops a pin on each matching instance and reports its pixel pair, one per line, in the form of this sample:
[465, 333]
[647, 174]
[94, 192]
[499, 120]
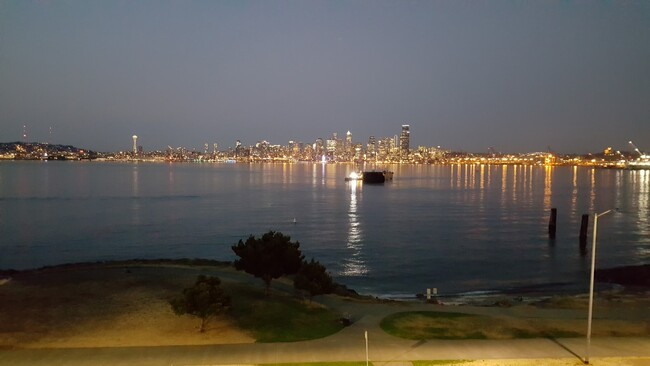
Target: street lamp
[591, 282]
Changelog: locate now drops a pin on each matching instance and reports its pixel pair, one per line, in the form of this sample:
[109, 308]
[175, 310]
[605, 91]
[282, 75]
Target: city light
[377, 150]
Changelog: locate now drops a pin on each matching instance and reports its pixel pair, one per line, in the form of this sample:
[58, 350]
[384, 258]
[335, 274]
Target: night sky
[466, 75]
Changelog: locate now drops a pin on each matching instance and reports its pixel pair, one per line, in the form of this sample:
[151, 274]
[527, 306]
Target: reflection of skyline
[548, 187]
[183, 208]
[354, 265]
[135, 194]
[641, 184]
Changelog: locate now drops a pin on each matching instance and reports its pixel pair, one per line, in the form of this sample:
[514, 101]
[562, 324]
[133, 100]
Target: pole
[591, 287]
[366, 335]
[552, 223]
[591, 282]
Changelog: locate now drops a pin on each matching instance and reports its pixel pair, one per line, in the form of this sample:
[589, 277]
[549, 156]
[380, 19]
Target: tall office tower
[135, 144]
[318, 148]
[404, 140]
[296, 149]
[238, 148]
[331, 149]
[215, 147]
[371, 148]
[205, 148]
[348, 141]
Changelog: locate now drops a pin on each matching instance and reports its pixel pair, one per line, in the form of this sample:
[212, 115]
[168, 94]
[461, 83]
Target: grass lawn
[421, 325]
[280, 317]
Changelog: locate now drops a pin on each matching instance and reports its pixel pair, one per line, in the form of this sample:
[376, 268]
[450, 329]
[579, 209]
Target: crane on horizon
[636, 148]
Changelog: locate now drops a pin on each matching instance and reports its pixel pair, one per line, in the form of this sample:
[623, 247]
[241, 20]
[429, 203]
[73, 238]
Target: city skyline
[466, 76]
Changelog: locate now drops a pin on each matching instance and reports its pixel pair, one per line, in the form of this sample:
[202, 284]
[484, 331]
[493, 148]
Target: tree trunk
[202, 327]
[267, 282]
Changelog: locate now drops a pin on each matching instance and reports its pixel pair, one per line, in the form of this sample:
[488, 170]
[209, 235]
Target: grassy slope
[421, 325]
[280, 317]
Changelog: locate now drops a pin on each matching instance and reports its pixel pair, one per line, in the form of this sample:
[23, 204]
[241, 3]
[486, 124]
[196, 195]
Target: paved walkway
[346, 345]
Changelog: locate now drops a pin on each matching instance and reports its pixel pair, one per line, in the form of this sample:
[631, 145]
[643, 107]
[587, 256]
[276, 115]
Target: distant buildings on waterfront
[43, 151]
[383, 150]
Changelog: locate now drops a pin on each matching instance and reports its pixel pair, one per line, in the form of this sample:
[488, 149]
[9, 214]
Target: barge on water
[372, 177]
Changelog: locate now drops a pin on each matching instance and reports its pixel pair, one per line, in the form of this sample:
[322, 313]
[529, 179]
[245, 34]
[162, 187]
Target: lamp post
[366, 336]
[591, 281]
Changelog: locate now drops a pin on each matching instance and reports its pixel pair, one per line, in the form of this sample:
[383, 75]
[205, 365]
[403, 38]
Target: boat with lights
[370, 177]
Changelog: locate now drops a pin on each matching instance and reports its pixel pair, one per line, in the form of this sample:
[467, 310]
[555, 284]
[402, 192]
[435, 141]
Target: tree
[313, 278]
[204, 300]
[271, 256]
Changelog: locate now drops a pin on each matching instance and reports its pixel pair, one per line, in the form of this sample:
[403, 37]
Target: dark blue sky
[466, 75]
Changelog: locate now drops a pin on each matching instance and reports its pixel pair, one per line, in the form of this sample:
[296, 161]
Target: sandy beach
[111, 305]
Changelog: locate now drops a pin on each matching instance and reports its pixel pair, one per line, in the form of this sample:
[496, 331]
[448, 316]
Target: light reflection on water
[457, 228]
[354, 264]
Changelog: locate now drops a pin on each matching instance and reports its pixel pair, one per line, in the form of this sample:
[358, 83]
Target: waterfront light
[591, 281]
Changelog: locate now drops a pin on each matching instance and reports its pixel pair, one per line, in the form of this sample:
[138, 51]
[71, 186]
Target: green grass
[420, 325]
[423, 325]
[280, 317]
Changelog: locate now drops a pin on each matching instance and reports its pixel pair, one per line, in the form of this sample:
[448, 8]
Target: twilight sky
[467, 75]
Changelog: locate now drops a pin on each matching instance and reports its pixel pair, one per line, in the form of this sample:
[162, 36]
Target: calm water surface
[457, 228]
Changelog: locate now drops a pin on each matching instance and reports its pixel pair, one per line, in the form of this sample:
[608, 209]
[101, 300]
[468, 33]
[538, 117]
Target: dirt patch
[105, 306]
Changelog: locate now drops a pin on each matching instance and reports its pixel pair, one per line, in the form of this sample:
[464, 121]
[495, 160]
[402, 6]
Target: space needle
[135, 144]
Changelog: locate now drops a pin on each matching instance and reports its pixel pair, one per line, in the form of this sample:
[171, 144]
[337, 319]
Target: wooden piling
[584, 225]
[552, 223]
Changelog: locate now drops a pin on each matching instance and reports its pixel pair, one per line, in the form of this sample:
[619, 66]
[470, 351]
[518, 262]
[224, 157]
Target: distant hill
[43, 151]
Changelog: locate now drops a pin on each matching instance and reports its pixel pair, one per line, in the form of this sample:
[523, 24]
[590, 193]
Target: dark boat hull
[374, 177]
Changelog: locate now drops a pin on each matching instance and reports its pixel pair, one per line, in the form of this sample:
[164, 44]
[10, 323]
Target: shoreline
[623, 279]
[125, 303]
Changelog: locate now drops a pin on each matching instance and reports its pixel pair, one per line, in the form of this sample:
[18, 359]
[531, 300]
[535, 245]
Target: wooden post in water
[583, 233]
[552, 223]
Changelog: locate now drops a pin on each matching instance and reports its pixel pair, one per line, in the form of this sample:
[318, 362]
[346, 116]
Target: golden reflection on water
[287, 173]
[482, 186]
[514, 183]
[592, 194]
[641, 183]
[619, 188]
[548, 186]
[354, 265]
[640, 180]
[329, 170]
[528, 183]
[504, 184]
[574, 190]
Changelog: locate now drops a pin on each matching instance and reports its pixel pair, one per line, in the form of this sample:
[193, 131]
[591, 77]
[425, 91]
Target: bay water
[458, 228]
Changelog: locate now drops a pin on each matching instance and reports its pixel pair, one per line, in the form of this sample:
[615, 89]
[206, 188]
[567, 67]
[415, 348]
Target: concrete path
[346, 345]
[328, 350]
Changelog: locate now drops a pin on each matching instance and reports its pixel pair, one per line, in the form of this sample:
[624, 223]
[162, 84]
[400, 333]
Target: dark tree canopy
[203, 300]
[271, 256]
[313, 278]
